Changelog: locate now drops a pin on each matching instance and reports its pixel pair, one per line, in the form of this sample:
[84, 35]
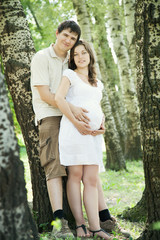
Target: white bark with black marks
[148, 80]
[15, 218]
[114, 151]
[133, 143]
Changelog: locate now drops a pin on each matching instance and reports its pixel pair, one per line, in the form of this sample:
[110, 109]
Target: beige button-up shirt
[46, 69]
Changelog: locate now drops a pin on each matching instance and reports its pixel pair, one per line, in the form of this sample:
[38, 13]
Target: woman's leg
[90, 198]
[90, 195]
[74, 196]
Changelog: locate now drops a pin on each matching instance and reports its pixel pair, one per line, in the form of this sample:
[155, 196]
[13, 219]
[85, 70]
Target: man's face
[66, 39]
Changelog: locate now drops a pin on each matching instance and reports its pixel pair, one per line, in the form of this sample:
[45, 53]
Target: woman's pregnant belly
[95, 115]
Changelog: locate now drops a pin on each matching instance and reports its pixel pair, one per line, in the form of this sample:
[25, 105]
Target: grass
[122, 189]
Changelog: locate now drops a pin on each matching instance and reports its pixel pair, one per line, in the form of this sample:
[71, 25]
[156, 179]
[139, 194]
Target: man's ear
[57, 32]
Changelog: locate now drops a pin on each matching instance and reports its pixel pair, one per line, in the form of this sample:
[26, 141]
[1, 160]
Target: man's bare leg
[101, 201]
[107, 222]
[104, 213]
[54, 186]
[55, 191]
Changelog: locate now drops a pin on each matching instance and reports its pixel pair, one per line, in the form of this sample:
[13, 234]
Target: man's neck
[59, 52]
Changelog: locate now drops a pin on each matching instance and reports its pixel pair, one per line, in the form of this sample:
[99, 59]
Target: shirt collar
[53, 54]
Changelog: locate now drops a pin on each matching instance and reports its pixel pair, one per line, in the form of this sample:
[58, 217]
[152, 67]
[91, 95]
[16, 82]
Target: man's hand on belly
[79, 114]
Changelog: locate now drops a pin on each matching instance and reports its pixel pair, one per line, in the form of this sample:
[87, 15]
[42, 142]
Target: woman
[82, 153]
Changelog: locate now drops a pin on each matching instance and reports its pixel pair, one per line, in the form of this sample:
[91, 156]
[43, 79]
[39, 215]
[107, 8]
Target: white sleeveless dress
[75, 148]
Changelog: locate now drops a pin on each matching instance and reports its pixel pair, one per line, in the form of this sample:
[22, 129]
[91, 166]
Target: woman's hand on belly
[80, 113]
[99, 131]
[82, 127]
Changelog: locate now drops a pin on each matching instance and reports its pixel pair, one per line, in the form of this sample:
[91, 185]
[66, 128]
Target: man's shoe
[110, 226]
[64, 231]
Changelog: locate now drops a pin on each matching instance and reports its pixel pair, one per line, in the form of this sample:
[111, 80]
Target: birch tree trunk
[15, 218]
[148, 78]
[108, 68]
[115, 158]
[129, 12]
[115, 161]
[17, 50]
[84, 22]
[133, 143]
[114, 153]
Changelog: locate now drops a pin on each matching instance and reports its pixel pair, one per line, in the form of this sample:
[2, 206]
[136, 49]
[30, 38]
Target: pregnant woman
[79, 151]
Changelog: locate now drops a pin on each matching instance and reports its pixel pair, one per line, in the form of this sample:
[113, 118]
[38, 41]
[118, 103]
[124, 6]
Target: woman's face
[81, 57]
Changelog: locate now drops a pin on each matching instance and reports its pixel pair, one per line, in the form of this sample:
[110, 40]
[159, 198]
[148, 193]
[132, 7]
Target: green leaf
[57, 224]
[156, 226]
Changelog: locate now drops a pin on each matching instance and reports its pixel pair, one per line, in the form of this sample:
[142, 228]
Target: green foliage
[45, 236]
[57, 224]
[27, 175]
[156, 226]
[35, 215]
[1, 64]
[124, 187]
[43, 18]
[44, 226]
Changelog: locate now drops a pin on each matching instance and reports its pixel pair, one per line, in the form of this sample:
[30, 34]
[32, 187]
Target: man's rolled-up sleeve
[39, 70]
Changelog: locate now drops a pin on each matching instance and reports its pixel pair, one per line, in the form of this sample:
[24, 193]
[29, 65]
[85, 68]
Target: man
[46, 71]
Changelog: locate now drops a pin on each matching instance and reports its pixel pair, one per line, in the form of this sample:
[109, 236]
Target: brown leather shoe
[64, 232]
[110, 226]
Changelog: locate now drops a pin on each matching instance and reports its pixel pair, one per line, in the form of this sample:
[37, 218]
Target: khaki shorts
[49, 149]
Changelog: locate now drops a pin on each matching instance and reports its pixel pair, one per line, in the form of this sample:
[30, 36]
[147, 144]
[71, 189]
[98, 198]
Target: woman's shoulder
[70, 74]
[68, 71]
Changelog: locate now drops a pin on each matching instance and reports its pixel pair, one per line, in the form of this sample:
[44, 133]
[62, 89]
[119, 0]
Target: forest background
[124, 37]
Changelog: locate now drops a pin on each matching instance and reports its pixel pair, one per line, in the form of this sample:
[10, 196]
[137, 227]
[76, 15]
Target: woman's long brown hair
[91, 67]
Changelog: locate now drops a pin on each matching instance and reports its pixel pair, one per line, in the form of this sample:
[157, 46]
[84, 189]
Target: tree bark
[15, 218]
[84, 22]
[114, 153]
[133, 143]
[115, 159]
[110, 79]
[129, 12]
[17, 50]
[138, 212]
[148, 69]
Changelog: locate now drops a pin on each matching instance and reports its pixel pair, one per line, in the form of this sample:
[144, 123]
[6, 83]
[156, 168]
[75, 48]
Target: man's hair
[74, 27]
